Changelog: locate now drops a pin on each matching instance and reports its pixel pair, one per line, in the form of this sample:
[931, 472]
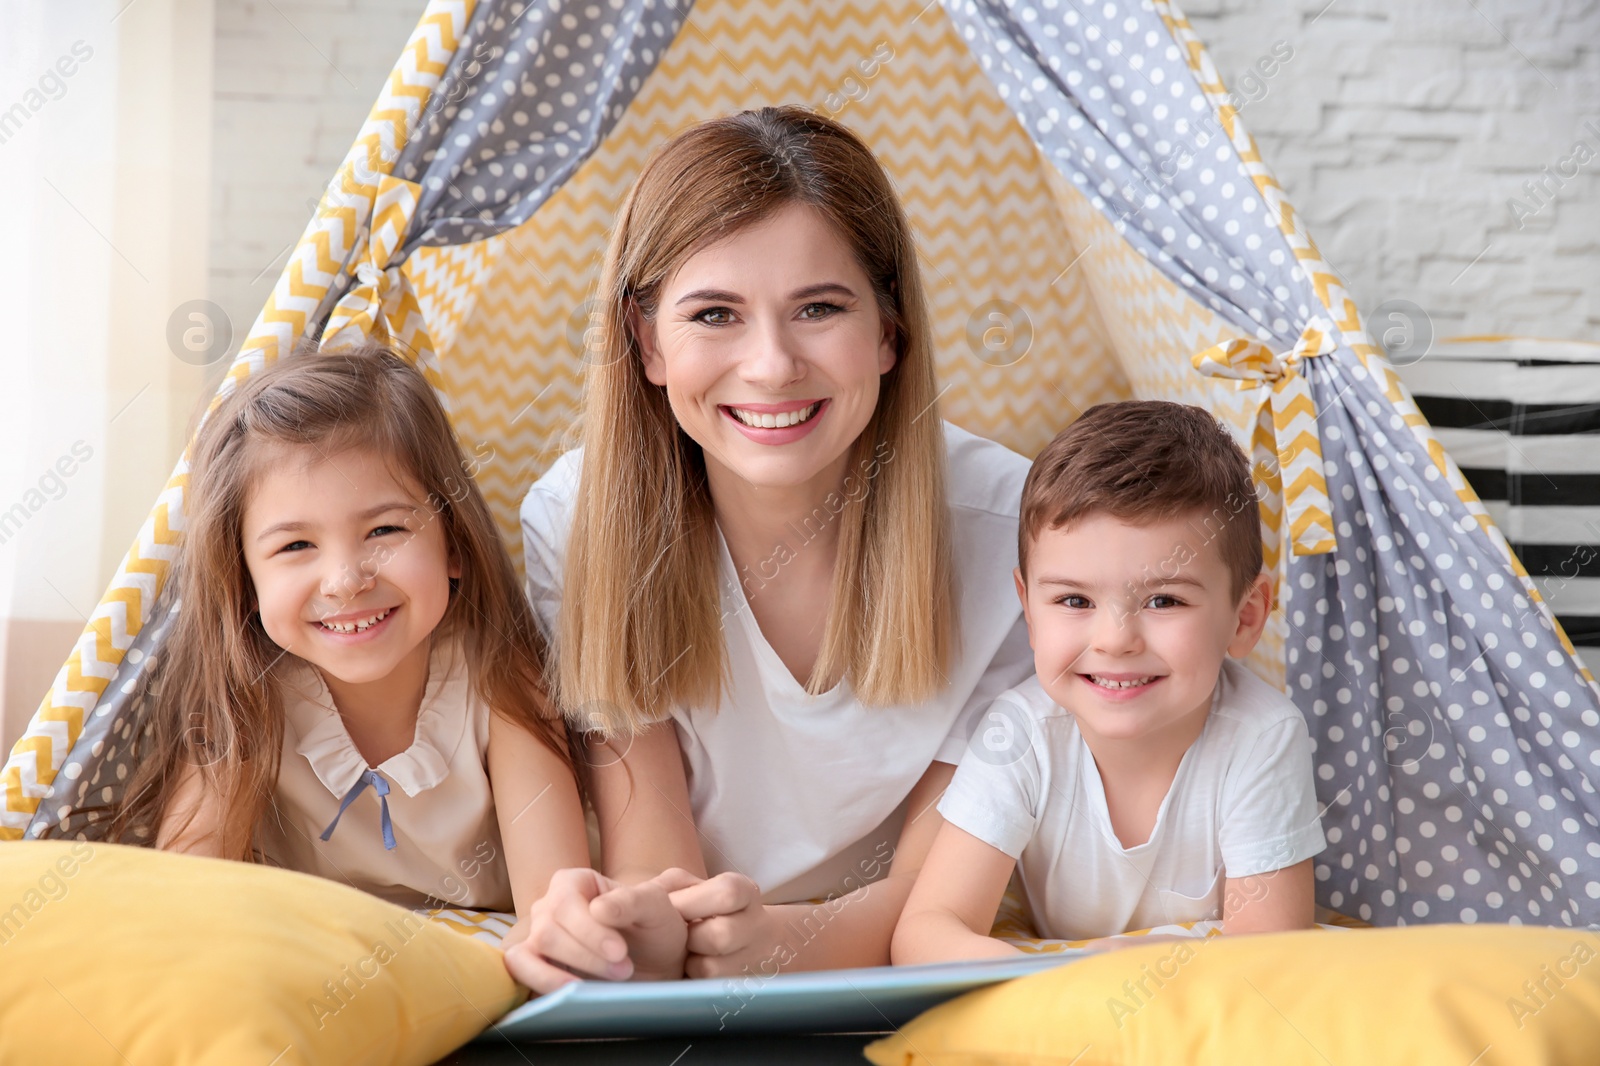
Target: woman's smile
[778, 423]
[772, 363]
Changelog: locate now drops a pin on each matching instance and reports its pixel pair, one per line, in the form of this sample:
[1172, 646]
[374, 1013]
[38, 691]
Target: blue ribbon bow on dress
[381, 787]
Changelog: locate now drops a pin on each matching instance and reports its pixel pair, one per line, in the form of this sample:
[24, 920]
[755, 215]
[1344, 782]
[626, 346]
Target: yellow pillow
[1424, 994]
[118, 955]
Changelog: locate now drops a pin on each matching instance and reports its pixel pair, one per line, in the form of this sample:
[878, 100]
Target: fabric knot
[369, 274]
[1287, 445]
[381, 787]
[379, 296]
[1251, 363]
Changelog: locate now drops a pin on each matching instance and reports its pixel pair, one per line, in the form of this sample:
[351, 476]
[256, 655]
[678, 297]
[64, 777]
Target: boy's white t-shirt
[1243, 802]
[801, 793]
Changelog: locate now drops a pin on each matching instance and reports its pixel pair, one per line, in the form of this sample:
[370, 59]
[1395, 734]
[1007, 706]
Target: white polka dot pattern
[1455, 737]
[531, 91]
[1107, 96]
[97, 768]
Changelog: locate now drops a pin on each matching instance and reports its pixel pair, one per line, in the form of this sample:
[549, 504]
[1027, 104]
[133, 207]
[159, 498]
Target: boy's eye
[713, 316]
[819, 310]
[1162, 600]
[1074, 601]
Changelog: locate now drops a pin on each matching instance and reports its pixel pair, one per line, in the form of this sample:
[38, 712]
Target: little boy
[1143, 777]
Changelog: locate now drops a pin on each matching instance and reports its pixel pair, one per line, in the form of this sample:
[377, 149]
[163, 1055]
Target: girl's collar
[319, 735]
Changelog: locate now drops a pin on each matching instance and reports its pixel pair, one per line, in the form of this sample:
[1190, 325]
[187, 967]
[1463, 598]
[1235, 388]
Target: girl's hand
[559, 939]
[587, 925]
[729, 928]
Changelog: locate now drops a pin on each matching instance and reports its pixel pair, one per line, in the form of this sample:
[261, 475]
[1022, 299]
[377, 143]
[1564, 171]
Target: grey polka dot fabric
[1456, 739]
[96, 770]
[533, 88]
[1109, 99]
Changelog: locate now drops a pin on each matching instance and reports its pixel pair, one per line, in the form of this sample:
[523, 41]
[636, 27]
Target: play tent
[1095, 224]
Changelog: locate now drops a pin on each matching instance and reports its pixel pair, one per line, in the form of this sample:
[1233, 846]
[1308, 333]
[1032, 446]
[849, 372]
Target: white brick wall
[1399, 130]
[294, 81]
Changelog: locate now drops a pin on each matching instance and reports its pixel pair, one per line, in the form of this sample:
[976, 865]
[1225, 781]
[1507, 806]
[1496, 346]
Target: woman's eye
[294, 546]
[819, 310]
[383, 531]
[714, 316]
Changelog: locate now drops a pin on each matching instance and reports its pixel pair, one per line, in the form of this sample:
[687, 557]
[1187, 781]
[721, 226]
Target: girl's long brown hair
[640, 628]
[218, 707]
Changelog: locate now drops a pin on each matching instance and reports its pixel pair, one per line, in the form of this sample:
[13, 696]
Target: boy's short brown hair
[1142, 461]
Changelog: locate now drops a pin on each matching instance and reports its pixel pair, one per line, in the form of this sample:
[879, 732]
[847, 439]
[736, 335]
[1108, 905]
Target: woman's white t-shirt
[1243, 802]
[804, 794]
[441, 807]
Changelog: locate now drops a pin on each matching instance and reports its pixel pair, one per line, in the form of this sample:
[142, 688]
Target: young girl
[353, 687]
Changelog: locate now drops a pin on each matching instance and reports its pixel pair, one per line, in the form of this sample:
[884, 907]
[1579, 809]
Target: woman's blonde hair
[217, 708]
[641, 627]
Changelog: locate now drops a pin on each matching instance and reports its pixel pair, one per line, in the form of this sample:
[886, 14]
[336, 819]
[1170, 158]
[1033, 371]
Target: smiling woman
[759, 541]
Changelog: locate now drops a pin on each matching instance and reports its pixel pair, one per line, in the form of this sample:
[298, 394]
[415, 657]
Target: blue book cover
[872, 999]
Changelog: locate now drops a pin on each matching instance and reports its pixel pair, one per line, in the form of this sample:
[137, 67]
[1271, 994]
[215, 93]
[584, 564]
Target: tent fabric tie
[381, 304]
[1287, 448]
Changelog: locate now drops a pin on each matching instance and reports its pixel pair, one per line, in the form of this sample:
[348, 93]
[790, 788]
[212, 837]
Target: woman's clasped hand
[674, 925]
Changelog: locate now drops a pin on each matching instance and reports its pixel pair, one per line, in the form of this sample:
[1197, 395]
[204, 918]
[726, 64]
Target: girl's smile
[350, 568]
[356, 626]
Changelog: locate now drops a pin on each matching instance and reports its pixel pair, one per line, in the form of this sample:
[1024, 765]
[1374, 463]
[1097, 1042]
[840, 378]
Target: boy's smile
[1130, 624]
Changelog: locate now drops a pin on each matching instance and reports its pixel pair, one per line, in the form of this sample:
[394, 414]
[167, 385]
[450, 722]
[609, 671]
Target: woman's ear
[644, 333]
[887, 355]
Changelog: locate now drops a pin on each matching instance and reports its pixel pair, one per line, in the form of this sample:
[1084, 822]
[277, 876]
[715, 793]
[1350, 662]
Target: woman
[769, 538]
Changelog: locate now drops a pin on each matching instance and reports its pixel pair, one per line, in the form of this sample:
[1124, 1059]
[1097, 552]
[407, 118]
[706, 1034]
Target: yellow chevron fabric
[446, 281]
[1287, 446]
[1020, 346]
[381, 303]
